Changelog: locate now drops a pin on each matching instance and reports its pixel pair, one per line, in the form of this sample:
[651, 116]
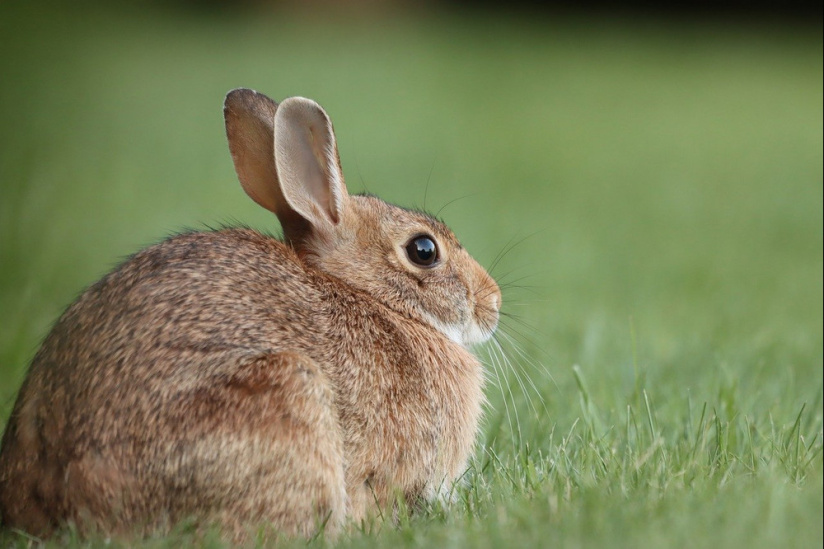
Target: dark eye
[422, 251]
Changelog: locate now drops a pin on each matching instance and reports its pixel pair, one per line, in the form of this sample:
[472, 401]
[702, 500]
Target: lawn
[655, 187]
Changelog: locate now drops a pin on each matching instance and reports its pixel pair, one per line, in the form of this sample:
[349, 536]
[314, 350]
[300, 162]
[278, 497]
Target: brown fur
[228, 377]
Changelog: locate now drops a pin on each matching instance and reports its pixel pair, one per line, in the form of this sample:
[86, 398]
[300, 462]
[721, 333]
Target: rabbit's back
[150, 348]
[163, 319]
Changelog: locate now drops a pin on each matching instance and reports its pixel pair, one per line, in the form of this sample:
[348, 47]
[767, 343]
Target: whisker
[526, 375]
[521, 322]
[512, 398]
[501, 388]
[488, 292]
[502, 279]
[523, 339]
[534, 364]
[537, 366]
[517, 303]
[428, 179]
[438, 214]
[358, 170]
[500, 255]
[509, 247]
[514, 285]
[514, 371]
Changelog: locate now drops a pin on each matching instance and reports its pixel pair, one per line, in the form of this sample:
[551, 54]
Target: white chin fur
[462, 335]
[474, 334]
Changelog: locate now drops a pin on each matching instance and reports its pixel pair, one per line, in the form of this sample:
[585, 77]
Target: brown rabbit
[236, 379]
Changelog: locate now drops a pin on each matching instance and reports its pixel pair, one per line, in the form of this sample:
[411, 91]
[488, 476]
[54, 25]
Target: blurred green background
[661, 178]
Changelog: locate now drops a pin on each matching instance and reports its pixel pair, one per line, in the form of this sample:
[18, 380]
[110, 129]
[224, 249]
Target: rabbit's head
[287, 161]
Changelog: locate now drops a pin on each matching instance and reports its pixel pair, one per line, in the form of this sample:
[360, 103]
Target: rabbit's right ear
[250, 130]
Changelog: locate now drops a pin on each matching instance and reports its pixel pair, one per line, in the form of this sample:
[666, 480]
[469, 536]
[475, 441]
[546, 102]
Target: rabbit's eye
[422, 251]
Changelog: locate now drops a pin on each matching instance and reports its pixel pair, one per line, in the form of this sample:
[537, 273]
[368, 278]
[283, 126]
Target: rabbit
[239, 380]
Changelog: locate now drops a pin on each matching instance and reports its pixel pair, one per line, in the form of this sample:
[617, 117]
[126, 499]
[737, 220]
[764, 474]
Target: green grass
[662, 181]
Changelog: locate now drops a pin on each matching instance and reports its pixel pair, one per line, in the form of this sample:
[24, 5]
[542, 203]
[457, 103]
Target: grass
[658, 187]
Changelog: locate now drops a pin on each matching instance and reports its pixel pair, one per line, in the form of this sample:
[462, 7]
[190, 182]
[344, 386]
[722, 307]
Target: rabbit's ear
[250, 129]
[306, 156]
[250, 124]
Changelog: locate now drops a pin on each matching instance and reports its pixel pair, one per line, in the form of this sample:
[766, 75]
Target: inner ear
[308, 164]
[325, 152]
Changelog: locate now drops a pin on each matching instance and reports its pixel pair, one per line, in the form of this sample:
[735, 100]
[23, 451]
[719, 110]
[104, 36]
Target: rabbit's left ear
[308, 166]
[250, 123]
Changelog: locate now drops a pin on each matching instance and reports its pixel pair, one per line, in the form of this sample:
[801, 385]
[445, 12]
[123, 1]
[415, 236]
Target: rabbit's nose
[495, 302]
